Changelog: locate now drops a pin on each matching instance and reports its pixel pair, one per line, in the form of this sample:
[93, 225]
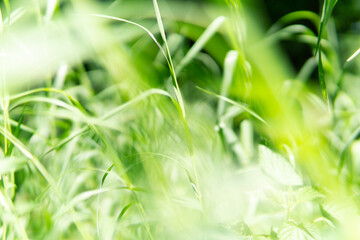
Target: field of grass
[169, 119]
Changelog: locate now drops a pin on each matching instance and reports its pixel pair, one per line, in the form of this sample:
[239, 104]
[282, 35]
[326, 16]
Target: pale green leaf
[278, 168]
[306, 194]
[292, 231]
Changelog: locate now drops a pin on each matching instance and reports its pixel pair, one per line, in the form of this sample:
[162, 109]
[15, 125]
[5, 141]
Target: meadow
[169, 119]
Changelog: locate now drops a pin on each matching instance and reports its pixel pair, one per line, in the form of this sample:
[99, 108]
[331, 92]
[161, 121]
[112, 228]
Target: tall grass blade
[326, 13]
[170, 62]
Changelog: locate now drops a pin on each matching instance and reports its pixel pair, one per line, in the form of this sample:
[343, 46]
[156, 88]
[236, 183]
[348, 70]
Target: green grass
[176, 120]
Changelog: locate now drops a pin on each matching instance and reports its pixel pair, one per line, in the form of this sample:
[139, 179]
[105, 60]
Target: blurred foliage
[166, 119]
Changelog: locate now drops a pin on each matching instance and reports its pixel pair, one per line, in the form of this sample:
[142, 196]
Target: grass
[176, 120]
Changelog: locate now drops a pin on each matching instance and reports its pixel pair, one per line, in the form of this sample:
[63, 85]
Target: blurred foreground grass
[177, 120]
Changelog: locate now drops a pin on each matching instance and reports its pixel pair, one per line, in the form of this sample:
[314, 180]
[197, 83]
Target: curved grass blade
[165, 53]
[66, 140]
[170, 62]
[295, 16]
[136, 99]
[107, 173]
[241, 106]
[80, 198]
[68, 96]
[123, 211]
[138, 25]
[52, 101]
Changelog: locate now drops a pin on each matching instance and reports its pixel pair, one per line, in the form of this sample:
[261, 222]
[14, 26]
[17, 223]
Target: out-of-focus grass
[175, 120]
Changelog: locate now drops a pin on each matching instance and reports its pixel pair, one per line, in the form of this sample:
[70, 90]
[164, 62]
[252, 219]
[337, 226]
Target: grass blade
[16, 132]
[199, 44]
[1, 23]
[322, 78]
[170, 62]
[138, 25]
[123, 211]
[327, 10]
[353, 56]
[241, 106]
[229, 68]
[107, 173]
[295, 16]
[17, 143]
[353, 136]
[9, 207]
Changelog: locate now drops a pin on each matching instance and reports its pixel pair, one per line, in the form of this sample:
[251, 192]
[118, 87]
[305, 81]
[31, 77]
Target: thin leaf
[240, 105]
[9, 207]
[138, 98]
[295, 16]
[138, 25]
[229, 68]
[200, 43]
[80, 198]
[353, 56]
[17, 131]
[353, 136]
[322, 79]
[327, 10]
[107, 173]
[328, 216]
[170, 62]
[123, 211]
[1, 23]
[17, 143]
[14, 16]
